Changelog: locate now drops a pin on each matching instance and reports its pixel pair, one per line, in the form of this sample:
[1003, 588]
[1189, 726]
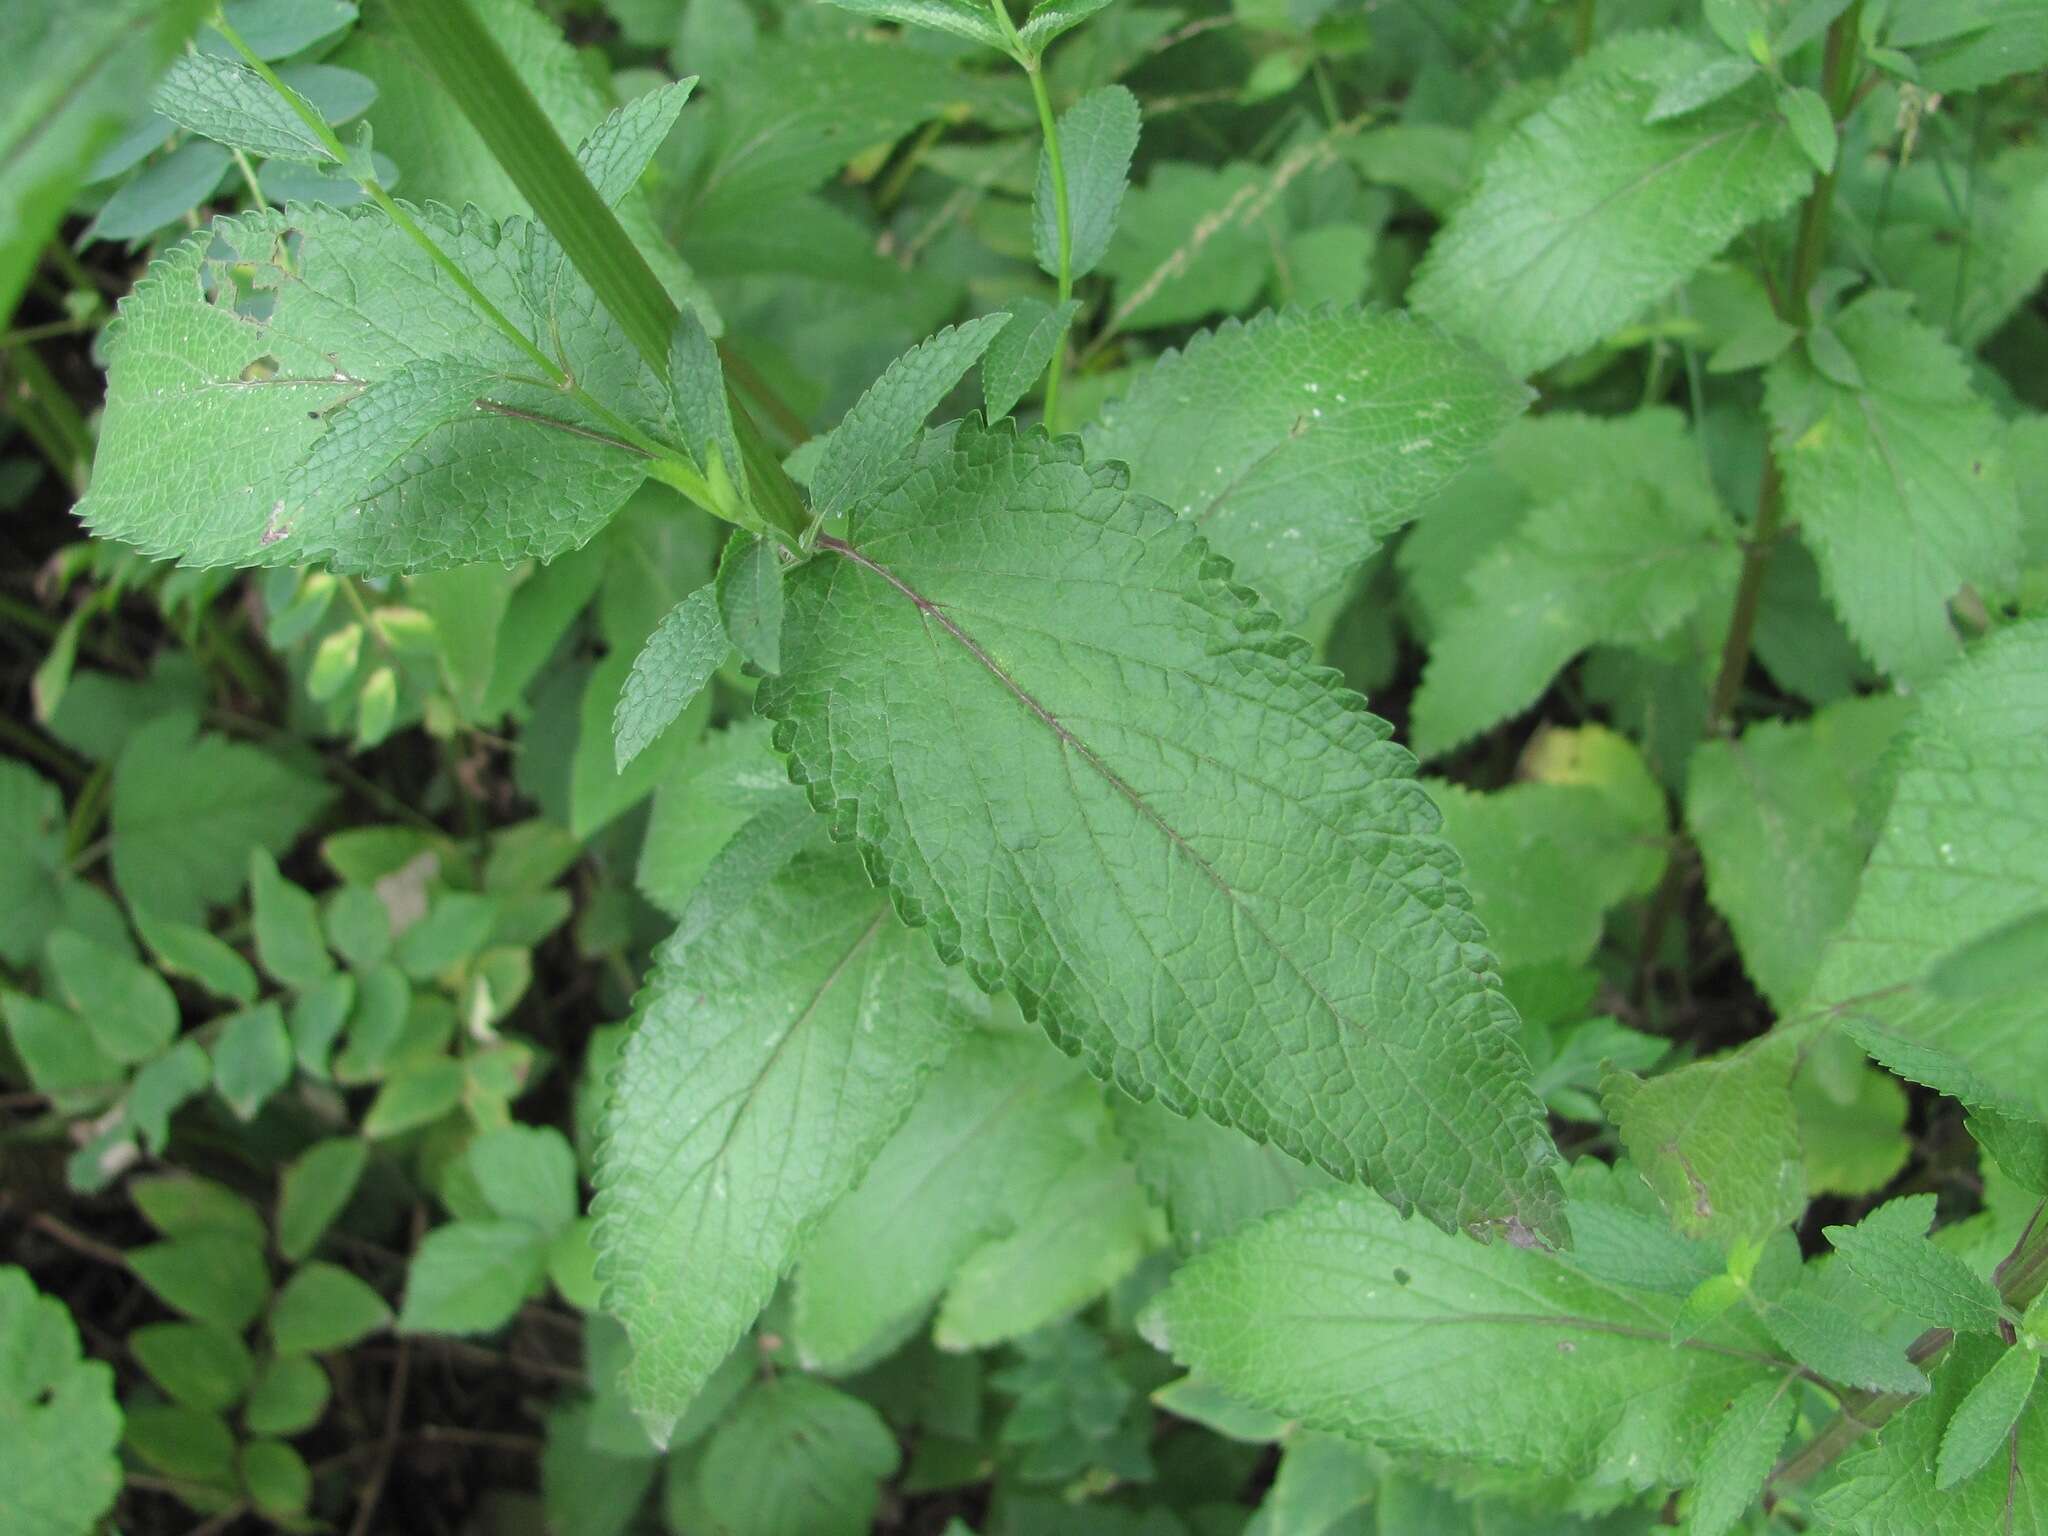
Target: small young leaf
[197, 1364]
[860, 450]
[1050, 18]
[959, 18]
[697, 397]
[471, 1276]
[1098, 135]
[670, 671]
[1813, 125]
[1021, 350]
[1889, 1251]
[228, 102]
[164, 193]
[277, 1479]
[415, 1095]
[1984, 1419]
[749, 590]
[323, 1308]
[130, 1011]
[314, 1190]
[209, 1276]
[1739, 1456]
[191, 952]
[289, 942]
[526, 1173]
[179, 1205]
[288, 1397]
[252, 1058]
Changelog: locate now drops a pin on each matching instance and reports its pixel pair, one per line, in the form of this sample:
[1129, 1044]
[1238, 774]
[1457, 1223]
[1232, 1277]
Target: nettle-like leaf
[1783, 827]
[1896, 473]
[1299, 442]
[1588, 213]
[59, 1425]
[1340, 1313]
[1961, 854]
[1612, 560]
[773, 1054]
[1050, 719]
[1098, 135]
[226, 101]
[2012, 39]
[1889, 1488]
[334, 395]
[1021, 350]
[1890, 1252]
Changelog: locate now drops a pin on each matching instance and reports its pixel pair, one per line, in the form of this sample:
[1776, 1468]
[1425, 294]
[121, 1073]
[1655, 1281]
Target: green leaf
[1322, 1480]
[1546, 860]
[1194, 241]
[1959, 856]
[332, 395]
[277, 1479]
[1050, 18]
[417, 1094]
[1914, 460]
[1889, 1252]
[226, 101]
[32, 828]
[1818, 1332]
[178, 1205]
[1021, 352]
[1106, 880]
[1739, 1457]
[471, 1276]
[211, 1276]
[860, 453]
[1343, 1314]
[1783, 824]
[358, 927]
[992, 1133]
[585, 1489]
[698, 399]
[197, 1364]
[1812, 124]
[197, 955]
[187, 810]
[194, 1449]
[749, 591]
[1718, 1141]
[2014, 955]
[1299, 442]
[1610, 561]
[76, 79]
[759, 1081]
[1194, 1399]
[526, 1173]
[289, 1396]
[1089, 1231]
[2014, 42]
[731, 779]
[1985, 1418]
[126, 1005]
[796, 1458]
[323, 1308]
[1098, 135]
[1888, 1487]
[1587, 215]
[669, 673]
[1210, 1179]
[252, 1058]
[59, 1052]
[314, 1190]
[166, 1083]
[58, 1421]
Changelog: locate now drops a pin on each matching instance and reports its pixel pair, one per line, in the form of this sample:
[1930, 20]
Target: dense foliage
[691, 838]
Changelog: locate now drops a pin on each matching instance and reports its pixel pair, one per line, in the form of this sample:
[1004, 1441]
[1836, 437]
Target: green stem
[498, 105]
[45, 412]
[1062, 217]
[2020, 1278]
[1838, 85]
[1582, 27]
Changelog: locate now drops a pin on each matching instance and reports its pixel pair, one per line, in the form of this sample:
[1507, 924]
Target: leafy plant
[1085, 1067]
